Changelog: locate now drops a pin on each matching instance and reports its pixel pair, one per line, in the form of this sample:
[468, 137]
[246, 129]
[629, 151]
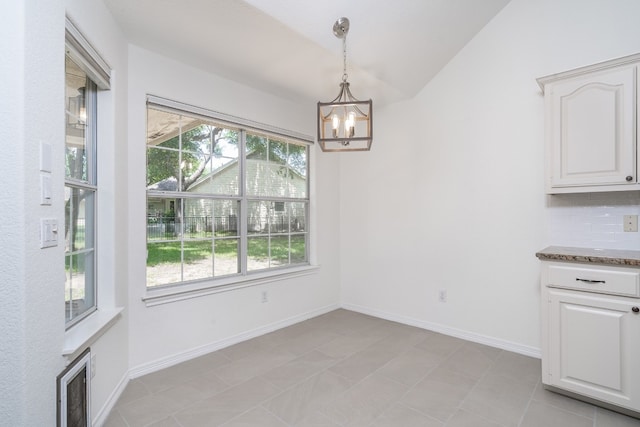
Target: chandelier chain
[345, 76]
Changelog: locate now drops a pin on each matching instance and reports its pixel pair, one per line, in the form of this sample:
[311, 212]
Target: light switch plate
[630, 223]
[45, 188]
[48, 232]
[45, 157]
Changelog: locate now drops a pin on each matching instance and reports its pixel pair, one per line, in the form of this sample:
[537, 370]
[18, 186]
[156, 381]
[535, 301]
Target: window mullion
[244, 204]
[92, 131]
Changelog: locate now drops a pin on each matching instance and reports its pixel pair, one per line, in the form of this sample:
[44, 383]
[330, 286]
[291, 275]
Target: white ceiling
[287, 47]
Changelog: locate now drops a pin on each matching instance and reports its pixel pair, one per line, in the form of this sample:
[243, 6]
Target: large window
[223, 199]
[85, 74]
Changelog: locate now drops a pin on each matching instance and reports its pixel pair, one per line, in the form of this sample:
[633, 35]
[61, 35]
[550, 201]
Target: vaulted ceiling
[287, 47]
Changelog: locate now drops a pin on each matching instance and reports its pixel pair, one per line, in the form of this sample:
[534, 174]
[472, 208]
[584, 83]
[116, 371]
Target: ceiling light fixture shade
[345, 124]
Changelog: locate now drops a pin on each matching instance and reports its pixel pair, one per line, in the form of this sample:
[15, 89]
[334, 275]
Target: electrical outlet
[265, 296]
[630, 223]
[442, 295]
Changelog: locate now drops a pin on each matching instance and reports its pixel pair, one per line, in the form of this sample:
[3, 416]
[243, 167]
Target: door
[594, 346]
[592, 126]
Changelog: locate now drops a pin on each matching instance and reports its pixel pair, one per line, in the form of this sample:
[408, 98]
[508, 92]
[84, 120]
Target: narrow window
[80, 192]
[85, 74]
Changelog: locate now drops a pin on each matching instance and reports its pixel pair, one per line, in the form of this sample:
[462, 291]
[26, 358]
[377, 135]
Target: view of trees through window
[80, 192]
[221, 200]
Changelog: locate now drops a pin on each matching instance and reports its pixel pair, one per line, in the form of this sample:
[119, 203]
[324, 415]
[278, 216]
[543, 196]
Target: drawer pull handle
[635, 309]
[589, 281]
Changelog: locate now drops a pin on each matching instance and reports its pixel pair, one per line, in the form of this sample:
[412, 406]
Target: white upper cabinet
[591, 121]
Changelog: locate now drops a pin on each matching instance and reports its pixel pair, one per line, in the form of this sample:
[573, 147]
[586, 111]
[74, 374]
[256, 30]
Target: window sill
[187, 291]
[89, 329]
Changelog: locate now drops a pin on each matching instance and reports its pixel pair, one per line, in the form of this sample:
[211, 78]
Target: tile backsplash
[593, 220]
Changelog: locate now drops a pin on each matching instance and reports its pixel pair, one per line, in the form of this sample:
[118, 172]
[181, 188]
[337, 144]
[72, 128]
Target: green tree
[198, 146]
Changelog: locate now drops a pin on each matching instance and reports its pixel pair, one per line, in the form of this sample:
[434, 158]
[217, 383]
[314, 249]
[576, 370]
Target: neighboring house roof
[167, 184]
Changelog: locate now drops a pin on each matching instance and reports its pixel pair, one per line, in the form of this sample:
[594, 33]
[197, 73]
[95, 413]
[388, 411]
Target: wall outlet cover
[630, 223]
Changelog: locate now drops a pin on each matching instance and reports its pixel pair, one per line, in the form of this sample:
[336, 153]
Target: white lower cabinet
[591, 341]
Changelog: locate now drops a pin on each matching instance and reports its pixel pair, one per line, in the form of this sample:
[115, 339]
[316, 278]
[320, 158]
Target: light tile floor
[349, 369]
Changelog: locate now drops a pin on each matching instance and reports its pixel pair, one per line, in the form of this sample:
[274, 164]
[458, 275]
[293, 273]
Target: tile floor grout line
[477, 383]
[516, 373]
[526, 409]
[422, 378]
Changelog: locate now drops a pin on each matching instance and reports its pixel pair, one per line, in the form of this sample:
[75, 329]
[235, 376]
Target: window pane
[163, 126]
[77, 86]
[297, 212]
[163, 167]
[279, 250]
[278, 220]
[224, 177]
[257, 217]
[257, 253]
[162, 223]
[226, 257]
[298, 249]
[79, 217]
[198, 218]
[256, 147]
[198, 260]
[226, 214]
[163, 148]
[297, 159]
[164, 263]
[79, 284]
[275, 168]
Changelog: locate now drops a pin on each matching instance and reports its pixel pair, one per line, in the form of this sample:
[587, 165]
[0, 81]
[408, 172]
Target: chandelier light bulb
[336, 125]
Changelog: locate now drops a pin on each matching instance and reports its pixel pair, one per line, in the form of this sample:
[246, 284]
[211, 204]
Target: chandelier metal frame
[345, 123]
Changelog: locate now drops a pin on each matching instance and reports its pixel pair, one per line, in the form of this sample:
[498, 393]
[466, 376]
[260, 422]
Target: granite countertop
[588, 255]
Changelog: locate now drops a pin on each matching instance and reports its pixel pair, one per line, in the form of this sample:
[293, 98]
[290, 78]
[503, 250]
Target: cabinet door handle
[629, 178]
[635, 309]
[589, 281]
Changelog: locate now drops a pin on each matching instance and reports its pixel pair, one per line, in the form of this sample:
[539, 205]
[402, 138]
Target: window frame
[161, 293]
[97, 71]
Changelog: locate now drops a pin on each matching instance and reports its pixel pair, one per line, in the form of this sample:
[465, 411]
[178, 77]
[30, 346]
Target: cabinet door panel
[593, 129]
[590, 347]
[594, 346]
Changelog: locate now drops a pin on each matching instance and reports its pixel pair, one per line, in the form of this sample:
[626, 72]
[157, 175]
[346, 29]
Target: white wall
[454, 200]
[32, 328]
[32, 291]
[168, 333]
[110, 350]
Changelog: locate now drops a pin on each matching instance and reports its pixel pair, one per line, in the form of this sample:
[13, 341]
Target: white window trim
[164, 104]
[184, 290]
[91, 327]
[180, 291]
[84, 54]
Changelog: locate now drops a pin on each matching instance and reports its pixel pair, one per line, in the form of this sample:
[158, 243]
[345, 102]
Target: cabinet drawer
[595, 279]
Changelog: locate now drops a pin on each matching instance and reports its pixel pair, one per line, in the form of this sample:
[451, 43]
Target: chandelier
[345, 124]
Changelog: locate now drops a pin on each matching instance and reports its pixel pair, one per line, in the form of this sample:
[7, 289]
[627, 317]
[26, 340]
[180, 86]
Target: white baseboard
[447, 330]
[103, 413]
[174, 359]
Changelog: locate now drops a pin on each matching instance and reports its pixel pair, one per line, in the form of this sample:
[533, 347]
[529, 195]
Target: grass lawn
[258, 248]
